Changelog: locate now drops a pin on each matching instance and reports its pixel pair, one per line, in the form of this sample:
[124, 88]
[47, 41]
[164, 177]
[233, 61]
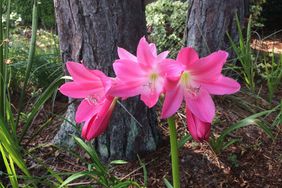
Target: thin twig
[131, 115]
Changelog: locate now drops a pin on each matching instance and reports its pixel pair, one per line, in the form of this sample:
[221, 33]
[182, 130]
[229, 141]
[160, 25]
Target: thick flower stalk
[96, 107]
[199, 79]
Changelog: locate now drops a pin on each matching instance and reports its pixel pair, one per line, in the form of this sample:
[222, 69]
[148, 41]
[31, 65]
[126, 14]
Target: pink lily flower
[199, 79]
[142, 75]
[198, 129]
[96, 107]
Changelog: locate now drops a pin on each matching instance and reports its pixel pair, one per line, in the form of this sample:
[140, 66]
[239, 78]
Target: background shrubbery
[166, 23]
[45, 14]
[47, 64]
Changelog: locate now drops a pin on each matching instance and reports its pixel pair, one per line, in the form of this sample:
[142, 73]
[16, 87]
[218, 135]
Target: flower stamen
[186, 82]
[92, 99]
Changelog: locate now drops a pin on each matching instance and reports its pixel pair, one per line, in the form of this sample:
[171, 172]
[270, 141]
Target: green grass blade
[39, 103]
[13, 170]
[10, 118]
[145, 172]
[2, 67]
[241, 38]
[231, 142]
[184, 140]
[11, 147]
[245, 122]
[126, 184]
[244, 54]
[30, 57]
[74, 177]
[167, 183]
[6, 49]
[118, 162]
[9, 168]
[267, 130]
[92, 153]
[55, 175]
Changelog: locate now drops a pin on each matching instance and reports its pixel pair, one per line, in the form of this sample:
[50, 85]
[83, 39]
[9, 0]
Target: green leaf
[39, 104]
[145, 173]
[74, 177]
[10, 118]
[93, 155]
[55, 175]
[218, 144]
[1, 185]
[245, 122]
[30, 59]
[126, 184]
[229, 143]
[11, 147]
[167, 183]
[118, 162]
[184, 140]
[9, 167]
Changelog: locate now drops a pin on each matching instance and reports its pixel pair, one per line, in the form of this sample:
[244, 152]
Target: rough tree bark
[90, 31]
[209, 20]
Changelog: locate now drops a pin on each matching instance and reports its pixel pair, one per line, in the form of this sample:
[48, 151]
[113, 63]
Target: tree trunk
[90, 31]
[209, 20]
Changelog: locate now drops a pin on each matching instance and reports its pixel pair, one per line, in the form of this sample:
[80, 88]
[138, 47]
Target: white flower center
[92, 99]
[187, 84]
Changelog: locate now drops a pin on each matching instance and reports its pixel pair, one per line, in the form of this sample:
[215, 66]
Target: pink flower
[142, 75]
[199, 79]
[198, 129]
[98, 123]
[96, 107]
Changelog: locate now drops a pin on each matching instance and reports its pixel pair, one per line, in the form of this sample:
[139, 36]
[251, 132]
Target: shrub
[47, 63]
[166, 24]
[45, 14]
[256, 8]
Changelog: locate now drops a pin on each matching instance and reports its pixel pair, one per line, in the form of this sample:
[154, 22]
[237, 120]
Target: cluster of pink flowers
[149, 75]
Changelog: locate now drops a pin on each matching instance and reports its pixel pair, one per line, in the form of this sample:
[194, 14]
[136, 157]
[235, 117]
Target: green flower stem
[174, 152]
[2, 66]
[30, 59]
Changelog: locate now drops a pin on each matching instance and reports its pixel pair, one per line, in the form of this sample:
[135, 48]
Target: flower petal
[98, 123]
[86, 127]
[170, 68]
[209, 67]
[171, 83]
[172, 102]
[82, 90]
[150, 92]
[198, 129]
[223, 85]
[80, 73]
[124, 54]
[153, 49]
[145, 55]
[187, 56]
[127, 70]
[125, 89]
[85, 111]
[150, 99]
[201, 106]
[163, 55]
